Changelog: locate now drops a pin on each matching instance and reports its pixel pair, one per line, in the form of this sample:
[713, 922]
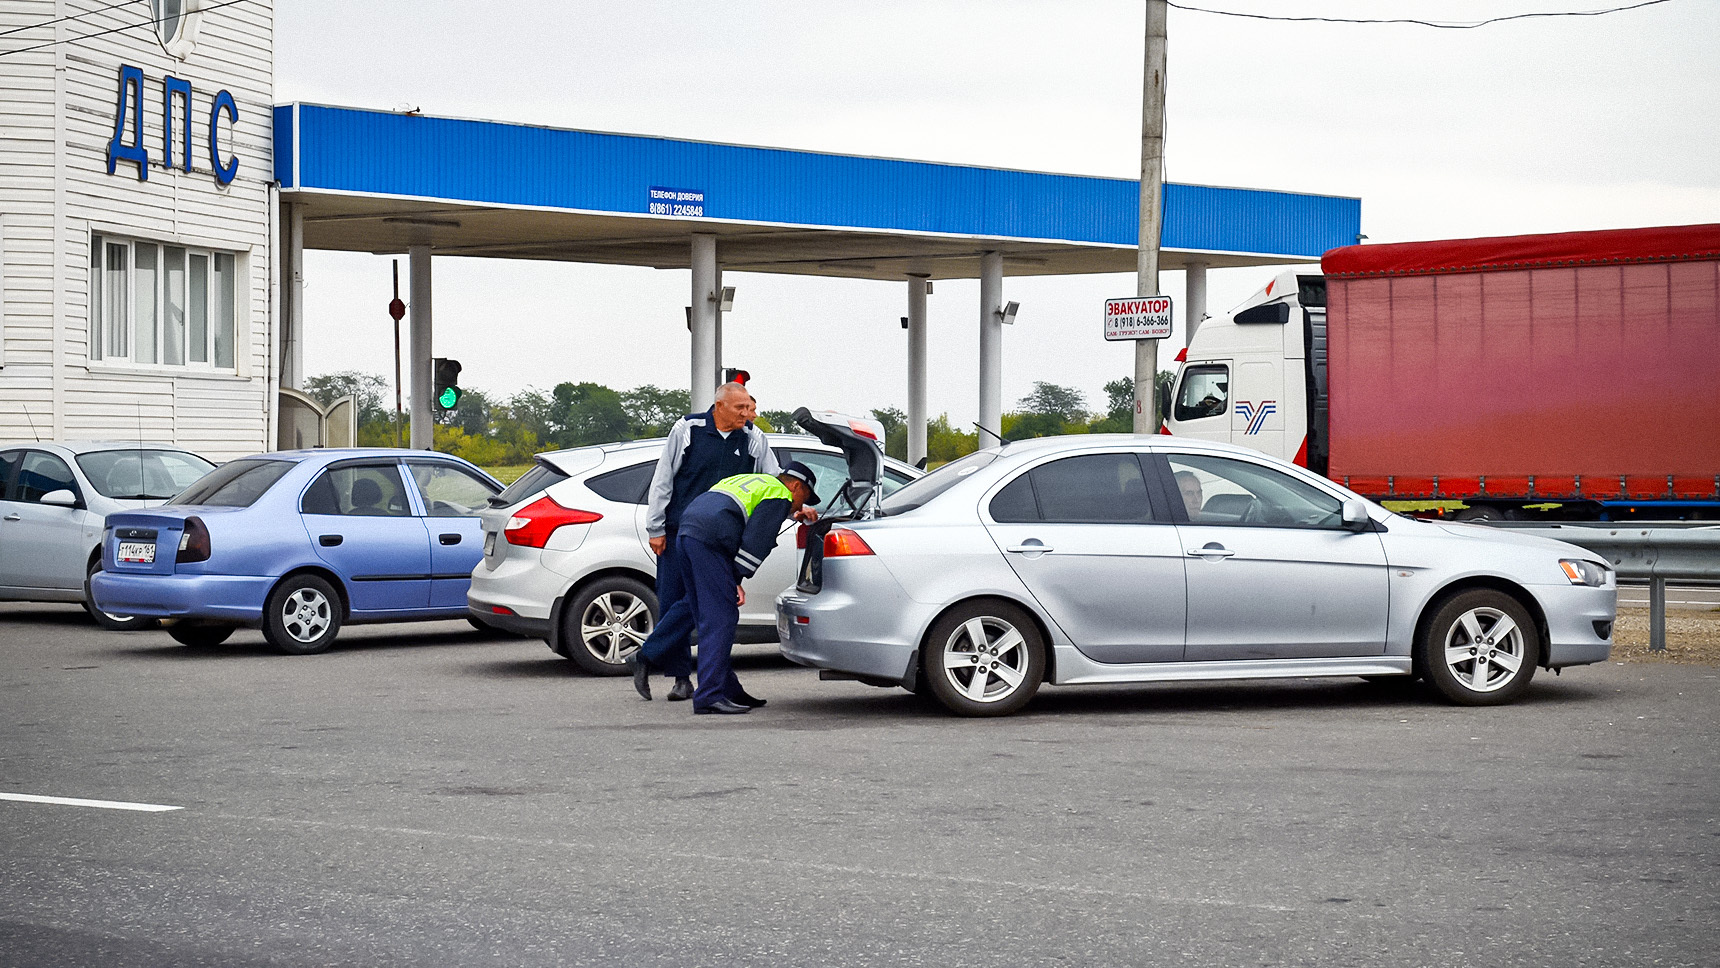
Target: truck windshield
[916, 493]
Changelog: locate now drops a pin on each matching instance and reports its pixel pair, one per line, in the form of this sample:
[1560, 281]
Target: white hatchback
[566, 557]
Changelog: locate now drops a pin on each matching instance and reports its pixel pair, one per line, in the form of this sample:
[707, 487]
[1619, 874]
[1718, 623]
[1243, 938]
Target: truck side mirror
[1164, 403]
[1355, 515]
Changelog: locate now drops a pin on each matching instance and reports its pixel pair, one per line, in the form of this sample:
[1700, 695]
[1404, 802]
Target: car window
[40, 473]
[234, 485]
[1223, 491]
[1092, 489]
[916, 493]
[360, 490]
[1015, 504]
[830, 469]
[8, 464]
[449, 490]
[625, 486]
[1205, 392]
[540, 477]
[893, 481]
[144, 475]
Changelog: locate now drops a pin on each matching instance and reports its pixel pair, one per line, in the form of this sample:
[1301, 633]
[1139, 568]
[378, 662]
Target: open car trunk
[861, 443]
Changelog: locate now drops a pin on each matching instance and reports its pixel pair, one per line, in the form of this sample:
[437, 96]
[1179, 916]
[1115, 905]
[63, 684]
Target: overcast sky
[1536, 125]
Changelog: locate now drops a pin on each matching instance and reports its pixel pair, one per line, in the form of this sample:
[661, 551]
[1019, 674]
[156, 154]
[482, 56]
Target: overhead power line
[114, 30]
[1446, 25]
[73, 16]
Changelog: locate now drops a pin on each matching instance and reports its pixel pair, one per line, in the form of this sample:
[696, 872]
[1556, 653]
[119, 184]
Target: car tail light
[194, 541]
[843, 543]
[800, 534]
[532, 525]
[864, 429]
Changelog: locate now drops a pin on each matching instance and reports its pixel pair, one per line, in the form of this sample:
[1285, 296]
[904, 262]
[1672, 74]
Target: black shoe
[722, 706]
[747, 699]
[682, 690]
[641, 675]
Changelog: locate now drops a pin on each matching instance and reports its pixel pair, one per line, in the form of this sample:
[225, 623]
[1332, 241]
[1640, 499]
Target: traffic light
[446, 374]
[732, 375]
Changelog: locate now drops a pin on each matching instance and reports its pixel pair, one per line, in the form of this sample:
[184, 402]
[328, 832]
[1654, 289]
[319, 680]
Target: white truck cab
[1256, 375]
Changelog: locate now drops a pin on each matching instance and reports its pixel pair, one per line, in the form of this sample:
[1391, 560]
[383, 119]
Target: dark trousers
[669, 647]
[711, 589]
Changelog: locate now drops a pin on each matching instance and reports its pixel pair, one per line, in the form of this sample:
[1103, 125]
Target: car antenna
[1001, 442]
[32, 420]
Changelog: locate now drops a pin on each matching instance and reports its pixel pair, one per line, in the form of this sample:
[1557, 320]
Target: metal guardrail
[1653, 552]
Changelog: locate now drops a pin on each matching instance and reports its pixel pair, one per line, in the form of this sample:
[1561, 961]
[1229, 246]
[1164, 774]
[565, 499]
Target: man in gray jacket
[702, 449]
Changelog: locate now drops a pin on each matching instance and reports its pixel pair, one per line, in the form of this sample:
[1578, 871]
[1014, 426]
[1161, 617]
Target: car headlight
[1584, 572]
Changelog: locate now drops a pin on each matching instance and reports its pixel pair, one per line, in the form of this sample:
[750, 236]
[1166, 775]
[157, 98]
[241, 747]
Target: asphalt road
[424, 795]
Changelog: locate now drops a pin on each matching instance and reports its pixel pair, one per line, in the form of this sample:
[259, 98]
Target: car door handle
[1029, 547]
[14, 516]
[330, 540]
[449, 539]
[1211, 551]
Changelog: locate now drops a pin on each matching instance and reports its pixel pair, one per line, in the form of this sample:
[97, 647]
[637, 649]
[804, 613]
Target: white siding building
[136, 296]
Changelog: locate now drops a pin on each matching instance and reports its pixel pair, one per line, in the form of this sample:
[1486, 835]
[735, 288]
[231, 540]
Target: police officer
[702, 449]
[725, 534]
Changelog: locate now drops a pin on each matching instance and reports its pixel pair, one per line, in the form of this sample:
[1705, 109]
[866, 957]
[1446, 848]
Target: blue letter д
[130, 79]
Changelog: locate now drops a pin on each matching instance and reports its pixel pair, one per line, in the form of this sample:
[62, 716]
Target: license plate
[489, 544]
[139, 552]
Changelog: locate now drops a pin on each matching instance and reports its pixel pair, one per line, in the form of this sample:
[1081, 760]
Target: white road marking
[77, 802]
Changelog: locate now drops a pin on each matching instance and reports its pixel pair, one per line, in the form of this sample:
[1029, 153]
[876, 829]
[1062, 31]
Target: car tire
[302, 616]
[113, 623]
[984, 658]
[479, 625]
[199, 635]
[1479, 648]
[605, 622]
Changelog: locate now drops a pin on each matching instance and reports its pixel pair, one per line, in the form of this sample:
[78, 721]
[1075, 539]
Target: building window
[161, 305]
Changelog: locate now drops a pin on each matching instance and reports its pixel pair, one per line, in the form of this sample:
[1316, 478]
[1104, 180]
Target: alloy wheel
[1484, 649]
[614, 625]
[986, 659]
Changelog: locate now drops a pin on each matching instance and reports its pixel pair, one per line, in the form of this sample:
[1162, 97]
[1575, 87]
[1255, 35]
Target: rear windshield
[541, 476]
[916, 493]
[142, 475]
[235, 485]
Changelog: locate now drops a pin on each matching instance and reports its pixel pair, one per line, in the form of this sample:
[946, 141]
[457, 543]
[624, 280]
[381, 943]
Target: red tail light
[843, 543]
[194, 542]
[532, 525]
[800, 534]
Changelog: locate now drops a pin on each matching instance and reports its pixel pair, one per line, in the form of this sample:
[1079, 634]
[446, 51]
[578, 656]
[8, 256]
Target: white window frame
[100, 340]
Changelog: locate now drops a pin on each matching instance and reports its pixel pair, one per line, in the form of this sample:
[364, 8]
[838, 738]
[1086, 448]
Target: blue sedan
[300, 543]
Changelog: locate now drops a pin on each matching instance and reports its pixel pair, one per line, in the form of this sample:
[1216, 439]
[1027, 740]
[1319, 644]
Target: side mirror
[63, 498]
[1355, 515]
[1164, 404]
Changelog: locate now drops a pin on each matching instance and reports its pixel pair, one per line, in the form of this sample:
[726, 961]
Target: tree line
[493, 431]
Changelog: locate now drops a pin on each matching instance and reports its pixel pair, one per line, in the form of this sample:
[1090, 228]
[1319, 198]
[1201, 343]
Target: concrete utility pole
[1147, 417]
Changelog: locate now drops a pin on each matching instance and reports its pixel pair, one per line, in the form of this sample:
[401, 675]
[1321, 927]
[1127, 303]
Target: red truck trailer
[1575, 375]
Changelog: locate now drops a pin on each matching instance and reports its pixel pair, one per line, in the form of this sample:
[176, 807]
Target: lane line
[77, 802]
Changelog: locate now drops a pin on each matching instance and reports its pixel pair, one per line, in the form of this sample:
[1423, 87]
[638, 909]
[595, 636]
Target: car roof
[775, 439]
[94, 446]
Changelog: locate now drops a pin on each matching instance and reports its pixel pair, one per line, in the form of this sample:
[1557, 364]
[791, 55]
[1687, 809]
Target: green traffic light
[450, 396]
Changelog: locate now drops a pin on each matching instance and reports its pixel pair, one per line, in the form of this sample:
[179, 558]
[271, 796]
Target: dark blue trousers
[669, 647]
[711, 590]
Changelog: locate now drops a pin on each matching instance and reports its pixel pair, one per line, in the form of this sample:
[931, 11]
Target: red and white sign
[1138, 317]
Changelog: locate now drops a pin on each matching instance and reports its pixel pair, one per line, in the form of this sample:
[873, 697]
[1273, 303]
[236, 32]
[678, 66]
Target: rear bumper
[526, 625]
[834, 630]
[217, 598]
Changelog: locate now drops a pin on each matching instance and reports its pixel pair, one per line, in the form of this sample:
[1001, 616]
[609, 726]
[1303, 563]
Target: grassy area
[507, 473]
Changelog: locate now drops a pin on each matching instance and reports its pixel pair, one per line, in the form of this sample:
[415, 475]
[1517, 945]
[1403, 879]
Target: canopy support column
[418, 358]
[1194, 299]
[917, 286]
[704, 350]
[991, 348]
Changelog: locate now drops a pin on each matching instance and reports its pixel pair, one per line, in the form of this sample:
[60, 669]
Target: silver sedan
[1133, 559]
[53, 499]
